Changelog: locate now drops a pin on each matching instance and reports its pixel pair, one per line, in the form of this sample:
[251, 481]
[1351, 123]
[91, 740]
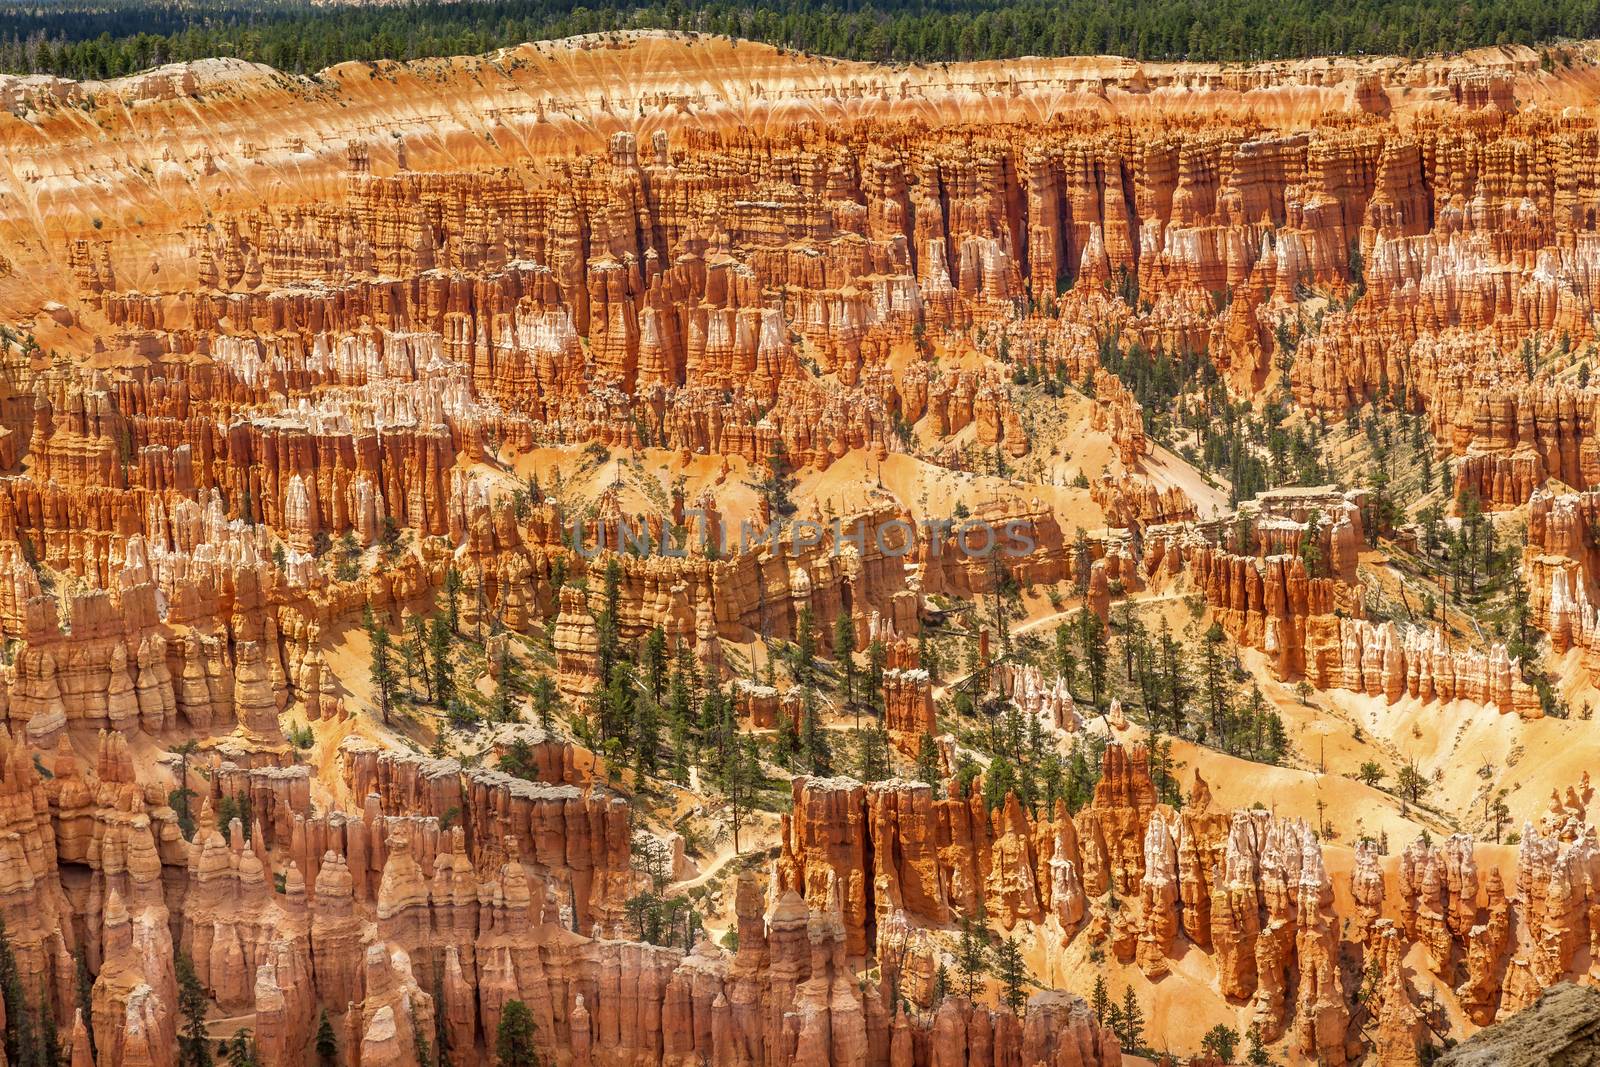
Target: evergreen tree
[1220, 1041]
[1114, 1021]
[655, 663]
[417, 654]
[999, 780]
[1100, 999]
[1412, 783]
[419, 1041]
[646, 735]
[241, 1051]
[513, 1040]
[1132, 1020]
[381, 672]
[805, 647]
[1066, 656]
[1012, 972]
[22, 1041]
[1277, 739]
[1215, 684]
[786, 746]
[179, 798]
[193, 1051]
[509, 685]
[1173, 689]
[49, 1054]
[1257, 1054]
[85, 984]
[237, 806]
[441, 1024]
[778, 483]
[874, 744]
[844, 649]
[1255, 723]
[1082, 562]
[1162, 771]
[327, 1044]
[814, 748]
[929, 762]
[972, 959]
[678, 717]
[740, 783]
[877, 655]
[1092, 643]
[98, 43]
[617, 705]
[545, 696]
[444, 674]
[453, 585]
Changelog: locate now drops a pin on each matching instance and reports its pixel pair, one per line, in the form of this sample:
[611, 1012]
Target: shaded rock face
[1561, 1027]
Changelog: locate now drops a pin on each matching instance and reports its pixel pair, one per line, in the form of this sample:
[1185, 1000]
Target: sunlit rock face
[688, 355]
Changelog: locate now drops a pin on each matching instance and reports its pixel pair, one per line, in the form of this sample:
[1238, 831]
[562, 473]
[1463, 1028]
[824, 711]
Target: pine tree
[877, 655]
[655, 663]
[805, 646]
[678, 716]
[1257, 1054]
[1132, 1020]
[49, 1054]
[844, 650]
[192, 1001]
[617, 705]
[382, 670]
[178, 799]
[417, 654]
[85, 983]
[444, 675]
[1066, 657]
[778, 483]
[1412, 783]
[441, 1025]
[453, 585]
[1013, 974]
[741, 783]
[1114, 1021]
[814, 747]
[999, 780]
[419, 1041]
[545, 696]
[646, 734]
[1174, 691]
[972, 959]
[509, 684]
[786, 745]
[242, 1050]
[929, 762]
[513, 1041]
[327, 1044]
[21, 1041]
[1220, 1041]
[1100, 999]
[1092, 642]
[608, 623]
[874, 753]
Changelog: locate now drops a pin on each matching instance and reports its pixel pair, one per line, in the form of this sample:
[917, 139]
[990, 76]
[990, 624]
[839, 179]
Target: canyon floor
[657, 550]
